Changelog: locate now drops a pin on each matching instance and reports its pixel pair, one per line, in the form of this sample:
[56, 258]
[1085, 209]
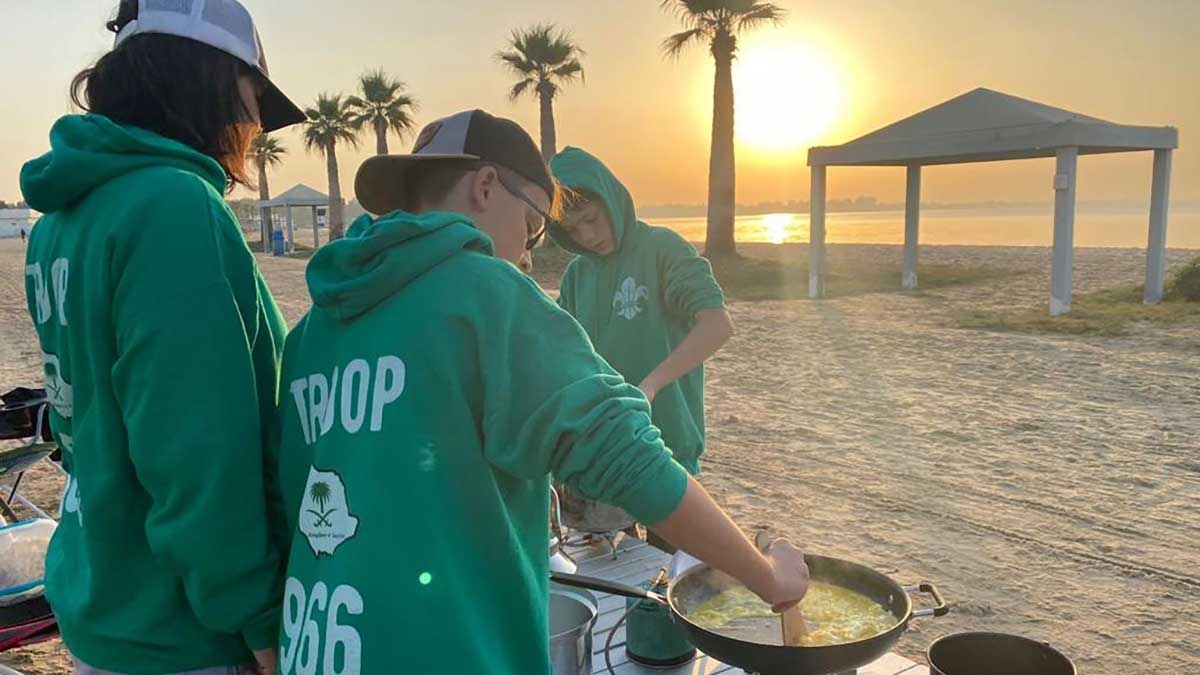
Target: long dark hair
[175, 87]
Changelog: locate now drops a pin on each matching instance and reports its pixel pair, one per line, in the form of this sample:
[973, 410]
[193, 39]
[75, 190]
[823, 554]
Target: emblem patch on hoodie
[325, 518]
[628, 299]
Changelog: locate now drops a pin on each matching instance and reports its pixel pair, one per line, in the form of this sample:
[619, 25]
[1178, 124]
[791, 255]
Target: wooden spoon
[794, 625]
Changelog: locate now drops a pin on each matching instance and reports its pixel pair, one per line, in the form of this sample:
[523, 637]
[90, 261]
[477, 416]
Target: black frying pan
[692, 588]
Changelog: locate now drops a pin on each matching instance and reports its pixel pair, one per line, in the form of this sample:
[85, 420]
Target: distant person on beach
[160, 342]
[23, 235]
[429, 395]
[648, 301]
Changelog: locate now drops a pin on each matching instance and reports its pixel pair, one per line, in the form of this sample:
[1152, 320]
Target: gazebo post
[1156, 249]
[291, 236]
[316, 234]
[912, 212]
[816, 233]
[1064, 230]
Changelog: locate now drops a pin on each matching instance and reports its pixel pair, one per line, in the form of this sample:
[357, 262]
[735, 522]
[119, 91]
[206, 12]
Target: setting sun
[788, 93]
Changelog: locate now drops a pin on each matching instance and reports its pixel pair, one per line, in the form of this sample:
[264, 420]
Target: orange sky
[648, 117]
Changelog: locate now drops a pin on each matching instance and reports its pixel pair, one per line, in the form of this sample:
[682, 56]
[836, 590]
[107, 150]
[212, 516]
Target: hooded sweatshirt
[640, 301]
[426, 399]
[159, 341]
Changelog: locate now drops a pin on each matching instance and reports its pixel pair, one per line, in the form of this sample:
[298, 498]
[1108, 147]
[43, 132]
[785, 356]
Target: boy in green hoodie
[429, 395]
[647, 300]
[160, 345]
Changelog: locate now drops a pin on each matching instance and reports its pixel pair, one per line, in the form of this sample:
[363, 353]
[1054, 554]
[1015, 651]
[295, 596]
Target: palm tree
[321, 493]
[266, 151]
[543, 58]
[330, 122]
[383, 106]
[718, 23]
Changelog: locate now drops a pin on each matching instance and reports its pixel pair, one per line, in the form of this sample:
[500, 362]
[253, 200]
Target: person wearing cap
[426, 400]
[161, 343]
[648, 301]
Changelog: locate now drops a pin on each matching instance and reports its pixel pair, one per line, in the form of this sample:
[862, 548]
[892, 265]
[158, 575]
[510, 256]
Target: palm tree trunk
[721, 181]
[337, 221]
[549, 142]
[381, 147]
[264, 213]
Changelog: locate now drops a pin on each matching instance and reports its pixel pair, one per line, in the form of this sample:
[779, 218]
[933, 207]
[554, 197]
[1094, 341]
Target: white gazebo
[299, 195]
[986, 126]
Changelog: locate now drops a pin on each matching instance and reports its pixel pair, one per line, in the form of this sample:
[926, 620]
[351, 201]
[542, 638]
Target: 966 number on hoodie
[313, 646]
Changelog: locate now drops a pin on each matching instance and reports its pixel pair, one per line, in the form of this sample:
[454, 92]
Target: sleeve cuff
[715, 301]
[263, 632]
[659, 492]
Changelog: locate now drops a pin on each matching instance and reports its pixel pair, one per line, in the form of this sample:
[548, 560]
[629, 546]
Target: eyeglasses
[534, 234]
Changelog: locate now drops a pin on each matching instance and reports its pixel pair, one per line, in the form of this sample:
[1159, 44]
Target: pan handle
[606, 586]
[927, 587]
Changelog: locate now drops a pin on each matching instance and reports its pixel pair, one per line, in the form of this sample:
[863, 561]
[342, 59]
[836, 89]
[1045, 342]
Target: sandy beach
[1050, 485]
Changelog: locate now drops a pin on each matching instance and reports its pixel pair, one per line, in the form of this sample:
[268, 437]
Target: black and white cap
[471, 135]
[222, 24]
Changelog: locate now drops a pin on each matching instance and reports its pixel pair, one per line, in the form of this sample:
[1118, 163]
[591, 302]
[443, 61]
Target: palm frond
[520, 88]
[687, 12]
[674, 45]
[516, 62]
[758, 14]
[568, 71]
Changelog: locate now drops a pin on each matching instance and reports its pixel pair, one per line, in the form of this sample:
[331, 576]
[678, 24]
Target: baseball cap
[222, 24]
[472, 135]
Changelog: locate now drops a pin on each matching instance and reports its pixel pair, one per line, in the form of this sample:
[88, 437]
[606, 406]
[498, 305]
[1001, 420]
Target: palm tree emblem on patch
[628, 298]
[320, 493]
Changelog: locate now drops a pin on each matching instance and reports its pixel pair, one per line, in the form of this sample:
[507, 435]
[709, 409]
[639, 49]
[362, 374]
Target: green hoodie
[640, 301]
[426, 399]
[160, 342]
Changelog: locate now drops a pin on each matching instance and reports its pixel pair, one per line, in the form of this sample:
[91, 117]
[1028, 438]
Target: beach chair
[23, 417]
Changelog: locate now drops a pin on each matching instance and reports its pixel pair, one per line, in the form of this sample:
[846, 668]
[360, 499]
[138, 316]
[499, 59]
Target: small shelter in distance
[987, 126]
[299, 195]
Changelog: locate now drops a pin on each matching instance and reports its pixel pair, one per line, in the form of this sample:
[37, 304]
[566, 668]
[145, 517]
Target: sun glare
[787, 94]
[775, 227]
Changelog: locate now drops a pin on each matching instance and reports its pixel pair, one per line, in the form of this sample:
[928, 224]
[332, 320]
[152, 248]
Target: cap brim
[275, 110]
[379, 185]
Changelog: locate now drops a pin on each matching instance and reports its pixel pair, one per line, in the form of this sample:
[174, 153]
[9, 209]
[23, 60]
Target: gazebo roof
[984, 126]
[298, 195]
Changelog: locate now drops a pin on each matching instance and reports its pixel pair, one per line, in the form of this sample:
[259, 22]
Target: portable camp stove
[652, 638]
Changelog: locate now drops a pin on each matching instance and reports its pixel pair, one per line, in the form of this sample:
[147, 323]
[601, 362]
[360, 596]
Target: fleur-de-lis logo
[628, 298]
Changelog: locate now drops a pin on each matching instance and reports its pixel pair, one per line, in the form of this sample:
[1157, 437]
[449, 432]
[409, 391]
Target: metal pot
[587, 515]
[572, 615]
[693, 587]
[559, 560]
[995, 654]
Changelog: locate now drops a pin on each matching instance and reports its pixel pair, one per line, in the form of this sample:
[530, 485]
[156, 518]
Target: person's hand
[789, 576]
[264, 661]
[649, 389]
[526, 262]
